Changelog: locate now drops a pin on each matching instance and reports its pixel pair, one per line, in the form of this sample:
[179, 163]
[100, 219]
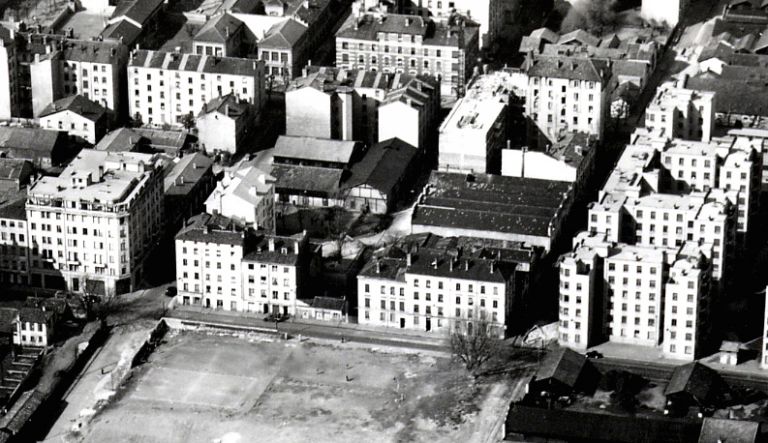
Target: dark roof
[491, 203]
[218, 29]
[434, 34]
[185, 174]
[597, 426]
[41, 141]
[283, 253]
[329, 79]
[716, 430]
[105, 52]
[694, 379]
[385, 268]
[171, 61]
[14, 206]
[563, 365]
[438, 265]
[12, 168]
[383, 165]
[56, 305]
[138, 10]
[77, 104]
[207, 228]
[226, 104]
[329, 303]
[22, 410]
[123, 28]
[35, 315]
[736, 94]
[571, 68]
[313, 179]
[283, 35]
[129, 139]
[632, 68]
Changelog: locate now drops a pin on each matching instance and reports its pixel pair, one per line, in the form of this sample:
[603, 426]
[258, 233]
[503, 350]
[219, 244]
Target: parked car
[594, 354]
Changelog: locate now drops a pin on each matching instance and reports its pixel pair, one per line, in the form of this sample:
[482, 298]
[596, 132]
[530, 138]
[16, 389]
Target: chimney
[271, 244]
[492, 263]
[408, 259]
[434, 263]
[378, 266]
[226, 31]
[450, 264]
[407, 22]
[226, 109]
[466, 265]
[296, 247]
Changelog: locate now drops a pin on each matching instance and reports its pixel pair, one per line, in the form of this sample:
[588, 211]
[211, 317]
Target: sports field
[201, 387]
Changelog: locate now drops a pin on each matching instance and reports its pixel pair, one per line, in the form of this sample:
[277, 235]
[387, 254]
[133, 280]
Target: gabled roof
[77, 104]
[283, 35]
[137, 10]
[12, 169]
[40, 140]
[580, 36]
[35, 315]
[185, 173]
[124, 29]
[315, 180]
[212, 228]
[329, 303]
[228, 105]
[572, 68]
[383, 165]
[563, 365]
[315, 149]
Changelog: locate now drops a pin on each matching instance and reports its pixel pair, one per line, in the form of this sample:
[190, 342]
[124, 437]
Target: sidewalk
[336, 330]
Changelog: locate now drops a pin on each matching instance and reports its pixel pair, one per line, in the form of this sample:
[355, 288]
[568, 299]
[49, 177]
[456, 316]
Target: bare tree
[475, 342]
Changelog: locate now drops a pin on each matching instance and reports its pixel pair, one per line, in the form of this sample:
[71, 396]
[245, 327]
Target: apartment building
[14, 241]
[430, 291]
[648, 296]
[247, 195]
[168, 87]
[681, 113]
[567, 94]
[343, 104]
[394, 43]
[220, 265]
[83, 119]
[9, 105]
[93, 69]
[92, 227]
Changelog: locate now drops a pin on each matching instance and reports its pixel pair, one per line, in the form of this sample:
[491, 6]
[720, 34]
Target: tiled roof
[311, 179]
[435, 34]
[124, 29]
[717, 430]
[283, 35]
[35, 315]
[195, 63]
[329, 303]
[694, 379]
[563, 365]
[736, 94]
[12, 169]
[138, 10]
[572, 68]
[228, 104]
[218, 29]
[14, 206]
[208, 228]
[315, 149]
[105, 52]
[34, 139]
[77, 104]
[284, 252]
[186, 173]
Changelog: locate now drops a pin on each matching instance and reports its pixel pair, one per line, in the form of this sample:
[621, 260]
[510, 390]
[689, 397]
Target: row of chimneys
[451, 263]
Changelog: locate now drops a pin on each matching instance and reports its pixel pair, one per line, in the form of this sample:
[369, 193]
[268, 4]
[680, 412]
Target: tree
[188, 120]
[475, 342]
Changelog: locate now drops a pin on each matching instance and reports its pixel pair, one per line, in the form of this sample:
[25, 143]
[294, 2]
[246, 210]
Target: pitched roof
[138, 10]
[563, 365]
[12, 169]
[433, 33]
[104, 52]
[283, 35]
[315, 149]
[329, 303]
[218, 29]
[35, 315]
[311, 179]
[171, 61]
[572, 68]
[694, 379]
[124, 29]
[185, 173]
[736, 94]
[41, 140]
[14, 206]
[212, 228]
[283, 253]
[226, 104]
[581, 36]
[716, 430]
[56, 305]
[383, 165]
[77, 104]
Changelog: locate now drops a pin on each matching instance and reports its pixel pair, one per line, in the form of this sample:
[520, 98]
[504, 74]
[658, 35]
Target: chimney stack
[466, 265]
[492, 266]
[271, 244]
[408, 259]
[378, 266]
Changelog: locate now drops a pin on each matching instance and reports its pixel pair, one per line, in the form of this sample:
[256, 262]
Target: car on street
[594, 354]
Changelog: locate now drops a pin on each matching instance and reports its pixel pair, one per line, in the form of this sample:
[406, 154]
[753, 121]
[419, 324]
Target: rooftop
[227, 105]
[329, 79]
[369, 26]
[77, 104]
[491, 203]
[315, 149]
[185, 173]
[571, 68]
[172, 61]
[215, 229]
[275, 249]
[383, 165]
[98, 177]
[40, 140]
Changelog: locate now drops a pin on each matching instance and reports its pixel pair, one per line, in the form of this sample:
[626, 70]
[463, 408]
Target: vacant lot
[202, 387]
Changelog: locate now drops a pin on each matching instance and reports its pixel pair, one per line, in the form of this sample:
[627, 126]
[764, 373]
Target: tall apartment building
[93, 69]
[394, 43]
[92, 227]
[8, 92]
[567, 94]
[640, 295]
[166, 87]
[222, 266]
[681, 113]
[344, 104]
[430, 290]
[14, 241]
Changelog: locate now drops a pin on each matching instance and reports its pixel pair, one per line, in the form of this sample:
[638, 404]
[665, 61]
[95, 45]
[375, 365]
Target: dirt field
[209, 388]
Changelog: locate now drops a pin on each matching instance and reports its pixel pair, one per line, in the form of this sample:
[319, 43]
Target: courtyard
[205, 387]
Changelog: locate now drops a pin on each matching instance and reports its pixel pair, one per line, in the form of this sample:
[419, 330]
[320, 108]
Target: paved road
[333, 332]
